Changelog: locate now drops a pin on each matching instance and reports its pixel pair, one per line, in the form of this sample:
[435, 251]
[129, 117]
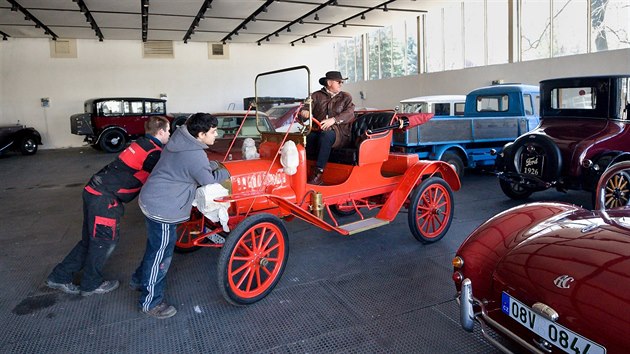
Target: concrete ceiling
[230, 21]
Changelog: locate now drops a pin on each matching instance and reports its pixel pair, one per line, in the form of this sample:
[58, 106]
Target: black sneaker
[67, 288]
[162, 311]
[105, 287]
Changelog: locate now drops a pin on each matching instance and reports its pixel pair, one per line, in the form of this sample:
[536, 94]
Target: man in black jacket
[103, 197]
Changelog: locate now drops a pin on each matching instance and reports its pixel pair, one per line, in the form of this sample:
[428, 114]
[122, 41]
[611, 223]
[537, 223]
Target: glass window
[134, 107]
[442, 109]
[610, 24]
[411, 28]
[569, 35]
[535, 30]
[453, 46]
[158, 107]
[385, 52]
[374, 48]
[359, 54]
[459, 108]
[435, 42]
[474, 45]
[497, 31]
[527, 105]
[573, 98]
[109, 107]
[624, 99]
[492, 103]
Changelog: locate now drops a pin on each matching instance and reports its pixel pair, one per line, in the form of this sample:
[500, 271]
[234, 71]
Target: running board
[363, 225]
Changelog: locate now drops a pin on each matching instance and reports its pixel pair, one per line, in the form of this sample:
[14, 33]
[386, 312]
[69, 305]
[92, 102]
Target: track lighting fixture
[314, 35]
[385, 9]
[292, 44]
[4, 38]
[303, 40]
[328, 31]
[363, 16]
[344, 24]
[316, 18]
[300, 21]
[14, 8]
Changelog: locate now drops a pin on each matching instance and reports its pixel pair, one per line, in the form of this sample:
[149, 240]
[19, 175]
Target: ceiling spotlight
[37, 25]
[267, 39]
[244, 28]
[224, 43]
[14, 7]
[4, 38]
[328, 31]
[277, 34]
[385, 9]
[303, 41]
[264, 9]
[27, 18]
[300, 21]
[292, 44]
[82, 8]
[100, 39]
[253, 18]
[258, 42]
[363, 16]
[229, 38]
[146, 3]
[288, 29]
[344, 24]
[334, 3]
[316, 18]
[314, 35]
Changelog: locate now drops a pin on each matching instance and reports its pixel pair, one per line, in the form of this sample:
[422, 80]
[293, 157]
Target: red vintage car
[265, 192]
[231, 123]
[551, 277]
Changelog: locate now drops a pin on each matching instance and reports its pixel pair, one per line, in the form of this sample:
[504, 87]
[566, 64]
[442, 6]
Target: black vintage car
[20, 138]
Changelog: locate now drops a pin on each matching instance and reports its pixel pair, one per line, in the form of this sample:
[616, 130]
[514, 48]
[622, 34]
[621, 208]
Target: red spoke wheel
[252, 259]
[431, 210]
[187, 232]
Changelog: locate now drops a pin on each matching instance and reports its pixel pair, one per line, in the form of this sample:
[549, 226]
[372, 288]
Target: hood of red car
[578, 265]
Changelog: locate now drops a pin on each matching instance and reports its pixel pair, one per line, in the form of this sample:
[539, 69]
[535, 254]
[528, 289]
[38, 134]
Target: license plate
[532, 164]
[554, 333]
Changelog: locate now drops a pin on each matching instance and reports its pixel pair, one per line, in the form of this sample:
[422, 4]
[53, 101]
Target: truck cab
[493, 116]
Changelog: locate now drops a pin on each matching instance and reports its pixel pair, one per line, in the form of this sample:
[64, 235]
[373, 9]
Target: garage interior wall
[191, 81]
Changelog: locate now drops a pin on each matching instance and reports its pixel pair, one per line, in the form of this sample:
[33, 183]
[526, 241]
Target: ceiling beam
[90, 19]
[250, 18]
[15, 6]
[144, 12]
[201, 14]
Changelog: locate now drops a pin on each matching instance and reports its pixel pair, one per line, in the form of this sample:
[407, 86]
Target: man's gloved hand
[213, 165]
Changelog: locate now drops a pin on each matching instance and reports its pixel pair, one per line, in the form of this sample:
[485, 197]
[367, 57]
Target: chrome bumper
[468, 317]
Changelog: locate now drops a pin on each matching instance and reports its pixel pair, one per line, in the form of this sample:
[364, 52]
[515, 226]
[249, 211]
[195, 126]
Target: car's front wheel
[616, 190]
[113, 141]
[28, 145]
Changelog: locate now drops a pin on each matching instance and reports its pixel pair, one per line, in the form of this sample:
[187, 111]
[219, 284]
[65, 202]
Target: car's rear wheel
[344, 209]
[113, 141]
[431, 210]
[453, 159]
[28, 145]
[514, 190]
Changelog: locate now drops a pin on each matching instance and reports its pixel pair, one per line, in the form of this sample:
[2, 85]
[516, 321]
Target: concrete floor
[380, 291]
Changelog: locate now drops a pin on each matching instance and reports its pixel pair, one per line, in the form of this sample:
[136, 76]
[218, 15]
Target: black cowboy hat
[331, 75]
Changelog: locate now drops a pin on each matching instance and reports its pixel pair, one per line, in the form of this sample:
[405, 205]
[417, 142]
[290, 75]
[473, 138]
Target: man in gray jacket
[166, 200]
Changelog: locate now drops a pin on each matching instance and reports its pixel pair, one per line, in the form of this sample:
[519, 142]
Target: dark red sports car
[552, 277]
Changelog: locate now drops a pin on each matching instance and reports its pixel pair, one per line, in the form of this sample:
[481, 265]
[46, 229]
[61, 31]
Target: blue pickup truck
[493, 116]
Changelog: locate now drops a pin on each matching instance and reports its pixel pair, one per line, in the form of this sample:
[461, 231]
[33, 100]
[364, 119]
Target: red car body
[229, 123]
[552, 266]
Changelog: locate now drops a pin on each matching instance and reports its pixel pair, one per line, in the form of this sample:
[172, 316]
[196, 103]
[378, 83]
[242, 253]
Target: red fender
[422, 169]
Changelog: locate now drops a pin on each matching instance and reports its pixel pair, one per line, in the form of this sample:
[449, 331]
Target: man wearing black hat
[334, 110]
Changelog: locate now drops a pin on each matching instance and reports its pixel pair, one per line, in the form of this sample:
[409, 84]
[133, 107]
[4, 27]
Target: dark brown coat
[339, 107]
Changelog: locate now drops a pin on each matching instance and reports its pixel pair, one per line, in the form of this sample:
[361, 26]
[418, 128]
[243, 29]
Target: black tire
[343, 209]
[113, 140]
[542, 146]
[616, 191]
[453, 159]
[96, 147]
[246, 274]
[514, 190]
[28, 145]
[431, 210]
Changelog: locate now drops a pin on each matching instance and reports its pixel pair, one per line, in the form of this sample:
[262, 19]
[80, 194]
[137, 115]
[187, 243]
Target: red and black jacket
[124, 177]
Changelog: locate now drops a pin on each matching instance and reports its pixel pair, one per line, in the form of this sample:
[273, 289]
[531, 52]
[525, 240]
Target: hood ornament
[563, 281]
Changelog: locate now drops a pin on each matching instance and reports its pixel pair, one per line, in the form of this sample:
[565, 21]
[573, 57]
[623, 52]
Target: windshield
[415, 107]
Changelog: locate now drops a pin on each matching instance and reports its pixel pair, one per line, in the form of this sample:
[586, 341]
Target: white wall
[116, 68]
[195, 83]
[387, 93]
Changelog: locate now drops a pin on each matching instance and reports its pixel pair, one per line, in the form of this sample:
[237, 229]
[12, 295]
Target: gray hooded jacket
[168, 194]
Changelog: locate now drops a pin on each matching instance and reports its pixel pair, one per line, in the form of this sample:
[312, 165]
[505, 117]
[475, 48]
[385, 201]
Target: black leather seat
[349, 155]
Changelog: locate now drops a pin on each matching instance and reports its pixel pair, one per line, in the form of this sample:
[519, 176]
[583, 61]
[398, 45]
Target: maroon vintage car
[551, 277]
[584, 128]
[108, 124]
